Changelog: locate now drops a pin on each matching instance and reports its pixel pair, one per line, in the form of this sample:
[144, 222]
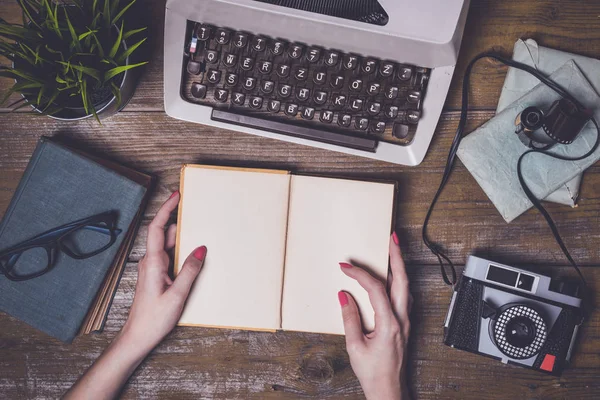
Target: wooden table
[226, 364]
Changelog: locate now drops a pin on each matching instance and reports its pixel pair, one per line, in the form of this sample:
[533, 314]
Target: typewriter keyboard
[302, 89]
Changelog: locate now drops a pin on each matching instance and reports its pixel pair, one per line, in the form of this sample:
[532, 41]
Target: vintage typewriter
[364, 77]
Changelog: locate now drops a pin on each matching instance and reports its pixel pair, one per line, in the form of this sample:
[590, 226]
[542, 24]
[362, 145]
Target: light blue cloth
[518, 83]
[491, 152]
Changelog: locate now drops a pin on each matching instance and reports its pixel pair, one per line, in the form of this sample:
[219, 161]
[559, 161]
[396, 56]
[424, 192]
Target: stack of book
[60, 185]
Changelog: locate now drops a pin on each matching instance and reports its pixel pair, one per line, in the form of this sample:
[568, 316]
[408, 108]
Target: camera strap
[443, 259]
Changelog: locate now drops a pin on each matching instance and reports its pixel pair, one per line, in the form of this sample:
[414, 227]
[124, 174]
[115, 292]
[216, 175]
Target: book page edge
[239, 169]
[179, 214]
[227, 327]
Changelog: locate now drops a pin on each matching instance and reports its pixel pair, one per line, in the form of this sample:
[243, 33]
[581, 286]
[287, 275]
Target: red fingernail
[395, 238]
[175, 193]
[345, 265]
[343, 298]
[200, 253]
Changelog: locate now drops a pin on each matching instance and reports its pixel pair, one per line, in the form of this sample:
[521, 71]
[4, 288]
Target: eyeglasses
[79, 240]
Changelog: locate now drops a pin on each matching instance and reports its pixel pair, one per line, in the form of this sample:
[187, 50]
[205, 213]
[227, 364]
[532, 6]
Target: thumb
[190, 270]
[351, 317]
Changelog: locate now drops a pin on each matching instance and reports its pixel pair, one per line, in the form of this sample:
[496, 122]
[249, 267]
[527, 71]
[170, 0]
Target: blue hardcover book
[59, 186]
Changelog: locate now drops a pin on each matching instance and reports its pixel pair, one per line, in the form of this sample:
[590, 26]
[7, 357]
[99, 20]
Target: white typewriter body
[425, 33]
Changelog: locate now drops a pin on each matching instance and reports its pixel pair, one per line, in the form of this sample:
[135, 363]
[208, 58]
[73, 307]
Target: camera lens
[520, 332]
[532, 118]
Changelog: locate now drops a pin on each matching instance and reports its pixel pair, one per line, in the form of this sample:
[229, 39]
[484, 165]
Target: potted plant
[71, 60]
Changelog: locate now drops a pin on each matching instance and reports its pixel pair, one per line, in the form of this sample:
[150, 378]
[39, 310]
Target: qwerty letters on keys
[276, 83]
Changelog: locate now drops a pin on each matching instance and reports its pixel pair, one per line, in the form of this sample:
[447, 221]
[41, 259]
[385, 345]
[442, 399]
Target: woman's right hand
[159, 301]
[378, 358]
[156, 308]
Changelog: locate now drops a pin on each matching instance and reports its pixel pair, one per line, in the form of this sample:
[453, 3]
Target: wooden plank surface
[464, 220]
[227, 364]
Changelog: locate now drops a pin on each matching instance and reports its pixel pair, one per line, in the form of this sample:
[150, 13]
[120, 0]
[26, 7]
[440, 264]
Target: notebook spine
[41, 146]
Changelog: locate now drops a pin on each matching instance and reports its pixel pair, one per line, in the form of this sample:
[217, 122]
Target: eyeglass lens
[87, 239]
[26, 263]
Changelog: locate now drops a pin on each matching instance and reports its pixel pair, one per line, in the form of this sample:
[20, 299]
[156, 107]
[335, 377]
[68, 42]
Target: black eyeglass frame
[52, 240]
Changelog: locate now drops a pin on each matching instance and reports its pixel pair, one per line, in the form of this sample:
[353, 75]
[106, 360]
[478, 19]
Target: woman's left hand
[378, 358]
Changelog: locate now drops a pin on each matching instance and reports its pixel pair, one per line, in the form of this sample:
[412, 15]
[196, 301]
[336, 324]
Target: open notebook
[274, 243]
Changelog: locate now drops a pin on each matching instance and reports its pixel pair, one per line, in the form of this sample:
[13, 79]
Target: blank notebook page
[240, 215]
[332, 221]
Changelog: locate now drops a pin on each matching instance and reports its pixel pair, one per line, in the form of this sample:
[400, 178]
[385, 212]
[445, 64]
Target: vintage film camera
[561, 123]
[513, 315]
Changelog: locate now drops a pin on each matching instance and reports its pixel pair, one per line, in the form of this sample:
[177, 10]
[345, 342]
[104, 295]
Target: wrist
[395, 390]
[133, 347]
[390, 391]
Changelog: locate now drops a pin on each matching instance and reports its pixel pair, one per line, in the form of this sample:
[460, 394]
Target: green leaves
[52, 19]
[132, 32]
[116, 92]
[68, 52]
[123, 56]
[106, 14]
[115, 48]
[75, 38]
[117, 70]
[86, 34]
[29, 11]
[16, 74]
[94, 73]
[18, 33]
[122, 12]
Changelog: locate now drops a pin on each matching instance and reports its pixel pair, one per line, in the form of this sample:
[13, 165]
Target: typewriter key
[277, 47]
[303, 94]
[283, 70]
[320, 77]
[326, 116]
[198, 90]
[291, 109]
[240, 40]
[332, 58]
[320, 97]
[274, 106]
[256, 102]
[350, 62]
[222, 36]
[214, 76]
[387, 69]
[259, 43]
[238, 98]
[313, 54]
[362, 123]
[221, 95]
[308, 113]
[267, 87]
[344, 120]
[204, 32]
[295, 51]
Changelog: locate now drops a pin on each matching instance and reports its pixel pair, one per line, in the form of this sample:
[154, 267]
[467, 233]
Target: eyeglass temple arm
[101, 229]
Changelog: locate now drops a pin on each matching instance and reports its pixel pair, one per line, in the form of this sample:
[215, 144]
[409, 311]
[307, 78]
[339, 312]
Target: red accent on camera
[548, 363]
